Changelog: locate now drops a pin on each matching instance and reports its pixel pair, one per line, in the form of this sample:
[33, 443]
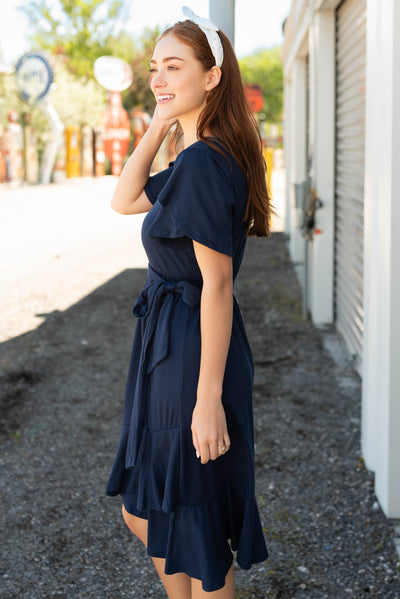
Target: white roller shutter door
[349, 177]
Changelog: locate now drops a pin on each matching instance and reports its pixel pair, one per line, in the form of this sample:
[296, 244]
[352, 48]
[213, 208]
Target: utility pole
[222, 13]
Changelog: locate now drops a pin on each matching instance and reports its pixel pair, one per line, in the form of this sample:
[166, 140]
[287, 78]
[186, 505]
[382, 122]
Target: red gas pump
[3, 166]
[116, 134]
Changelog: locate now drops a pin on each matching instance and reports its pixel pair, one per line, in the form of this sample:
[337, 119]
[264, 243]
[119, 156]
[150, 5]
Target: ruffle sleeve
[156, 183]
[197, 201]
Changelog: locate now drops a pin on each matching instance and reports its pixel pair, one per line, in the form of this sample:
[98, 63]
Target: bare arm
[129, 195]
[209, 427]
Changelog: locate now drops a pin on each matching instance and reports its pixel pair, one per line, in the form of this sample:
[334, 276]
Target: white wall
[287, 131]
[381, 363]
[322, 138]
[297, 151]
[381, 360]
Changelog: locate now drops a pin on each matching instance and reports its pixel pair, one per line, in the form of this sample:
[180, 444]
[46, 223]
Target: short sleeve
[198, 202]
[156, 183]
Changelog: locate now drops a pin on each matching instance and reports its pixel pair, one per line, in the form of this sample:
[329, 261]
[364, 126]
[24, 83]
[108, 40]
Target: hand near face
[163, 123]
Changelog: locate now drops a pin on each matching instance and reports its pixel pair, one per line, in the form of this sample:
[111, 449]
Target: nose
[158, 79]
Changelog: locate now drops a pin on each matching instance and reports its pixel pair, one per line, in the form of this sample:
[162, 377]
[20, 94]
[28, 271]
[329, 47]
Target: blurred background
[70, 37]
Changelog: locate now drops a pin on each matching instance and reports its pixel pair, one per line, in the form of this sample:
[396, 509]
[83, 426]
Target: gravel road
[62, 387]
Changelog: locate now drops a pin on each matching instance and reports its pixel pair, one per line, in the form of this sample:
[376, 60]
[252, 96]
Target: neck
[189, 132]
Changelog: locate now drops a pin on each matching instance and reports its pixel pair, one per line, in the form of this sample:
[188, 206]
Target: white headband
[210, 30]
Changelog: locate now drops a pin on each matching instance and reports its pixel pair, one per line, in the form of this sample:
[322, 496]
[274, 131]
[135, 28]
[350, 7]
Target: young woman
[185, 461]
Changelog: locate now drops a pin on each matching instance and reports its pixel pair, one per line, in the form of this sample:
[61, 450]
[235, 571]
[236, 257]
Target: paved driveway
[57, 244]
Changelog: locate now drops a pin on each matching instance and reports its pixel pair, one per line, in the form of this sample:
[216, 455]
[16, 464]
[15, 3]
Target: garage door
[349, 190]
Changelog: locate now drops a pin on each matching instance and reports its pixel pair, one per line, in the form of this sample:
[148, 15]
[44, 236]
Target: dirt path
[61, 399]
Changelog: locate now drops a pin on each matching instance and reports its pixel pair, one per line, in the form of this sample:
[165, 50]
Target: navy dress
[197, 513]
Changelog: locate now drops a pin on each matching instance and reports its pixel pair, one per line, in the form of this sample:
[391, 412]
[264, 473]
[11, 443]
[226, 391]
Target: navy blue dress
[197, 513]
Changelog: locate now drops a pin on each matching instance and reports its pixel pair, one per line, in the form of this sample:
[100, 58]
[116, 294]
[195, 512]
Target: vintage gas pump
[98, 152]
[115, 75]
[73, 150]
[3, 166]
[14, 149]
[116, 127]
[87, 151]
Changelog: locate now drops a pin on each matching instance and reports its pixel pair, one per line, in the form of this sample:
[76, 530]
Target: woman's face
[177, 80]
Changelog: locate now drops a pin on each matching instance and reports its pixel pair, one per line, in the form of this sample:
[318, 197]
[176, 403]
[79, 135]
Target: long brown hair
[228, 118]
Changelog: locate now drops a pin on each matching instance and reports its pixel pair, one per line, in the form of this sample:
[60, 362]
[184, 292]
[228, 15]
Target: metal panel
[349, 177]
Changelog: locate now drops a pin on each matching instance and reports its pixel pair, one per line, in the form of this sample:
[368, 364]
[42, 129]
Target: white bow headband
[210, 30]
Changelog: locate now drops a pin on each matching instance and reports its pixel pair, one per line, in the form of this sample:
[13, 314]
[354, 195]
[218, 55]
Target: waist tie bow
[155, 304]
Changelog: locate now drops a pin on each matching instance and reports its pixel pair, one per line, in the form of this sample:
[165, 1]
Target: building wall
[310, 29]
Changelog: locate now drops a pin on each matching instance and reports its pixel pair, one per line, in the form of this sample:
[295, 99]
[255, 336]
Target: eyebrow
[168, 58]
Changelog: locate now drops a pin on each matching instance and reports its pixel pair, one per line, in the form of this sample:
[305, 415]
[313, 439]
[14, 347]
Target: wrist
[159, 129]
[209, 394]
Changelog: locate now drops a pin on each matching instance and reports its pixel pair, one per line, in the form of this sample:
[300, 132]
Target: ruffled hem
[197, 538]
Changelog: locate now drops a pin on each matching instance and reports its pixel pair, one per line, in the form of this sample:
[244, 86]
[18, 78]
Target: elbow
[220, 286]
[115, 207]
[118, 205]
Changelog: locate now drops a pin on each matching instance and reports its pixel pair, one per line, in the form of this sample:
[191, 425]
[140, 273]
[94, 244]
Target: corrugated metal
[349, 190]
[308, 149]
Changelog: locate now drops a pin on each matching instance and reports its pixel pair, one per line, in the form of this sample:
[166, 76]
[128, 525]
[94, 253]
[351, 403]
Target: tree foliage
[82, 30]
[86, 99]
[139, 94]
[265, 68]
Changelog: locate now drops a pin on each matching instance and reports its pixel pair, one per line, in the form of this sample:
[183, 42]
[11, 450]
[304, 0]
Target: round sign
[113, 73]
[34, 75]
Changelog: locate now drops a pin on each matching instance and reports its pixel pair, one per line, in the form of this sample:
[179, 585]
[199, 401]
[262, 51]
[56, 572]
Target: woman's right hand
[129, 195]
[157, 123]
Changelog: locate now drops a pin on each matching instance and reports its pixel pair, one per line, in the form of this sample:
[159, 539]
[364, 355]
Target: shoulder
[200, 156]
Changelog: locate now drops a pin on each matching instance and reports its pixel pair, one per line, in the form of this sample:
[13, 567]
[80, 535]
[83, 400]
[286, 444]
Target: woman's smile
[163, 98]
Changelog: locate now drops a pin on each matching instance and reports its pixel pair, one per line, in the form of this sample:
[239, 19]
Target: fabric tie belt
[155, 305]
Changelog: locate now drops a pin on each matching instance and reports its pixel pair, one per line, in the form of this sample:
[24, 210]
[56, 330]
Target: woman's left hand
[209, 430]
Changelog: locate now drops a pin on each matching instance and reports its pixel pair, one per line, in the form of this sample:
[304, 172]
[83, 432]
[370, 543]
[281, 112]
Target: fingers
[205, 453]
[227, 442]
[196, 444]
[213, 450]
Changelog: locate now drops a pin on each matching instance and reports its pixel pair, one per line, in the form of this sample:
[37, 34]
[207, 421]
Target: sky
[258, 22]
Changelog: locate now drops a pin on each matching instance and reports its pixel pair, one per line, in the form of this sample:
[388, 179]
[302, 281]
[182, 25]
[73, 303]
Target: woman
[185, 461]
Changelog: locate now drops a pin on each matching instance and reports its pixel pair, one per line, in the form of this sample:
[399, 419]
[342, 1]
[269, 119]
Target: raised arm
[209, 427]
[129, 196]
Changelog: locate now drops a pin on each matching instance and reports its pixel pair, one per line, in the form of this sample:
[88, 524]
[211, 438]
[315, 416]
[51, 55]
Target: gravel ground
[61, 403]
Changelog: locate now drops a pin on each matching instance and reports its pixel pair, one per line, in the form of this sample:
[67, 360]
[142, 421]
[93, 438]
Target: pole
[222, 13]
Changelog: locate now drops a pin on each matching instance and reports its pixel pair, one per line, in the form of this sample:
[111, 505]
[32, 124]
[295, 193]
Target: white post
[287, 132]
[222, 13]
[322, 134]
[297, 151]
[381, 360]
[51, 148]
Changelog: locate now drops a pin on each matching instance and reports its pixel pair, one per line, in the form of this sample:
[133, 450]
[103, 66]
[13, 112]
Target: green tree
[82, 30]
[87, 100]
[140, 94]
[265, 68]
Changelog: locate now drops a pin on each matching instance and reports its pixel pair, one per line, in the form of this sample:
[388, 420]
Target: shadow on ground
[61, 401]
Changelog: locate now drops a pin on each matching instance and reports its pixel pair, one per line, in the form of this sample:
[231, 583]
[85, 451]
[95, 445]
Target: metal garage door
[349, 194]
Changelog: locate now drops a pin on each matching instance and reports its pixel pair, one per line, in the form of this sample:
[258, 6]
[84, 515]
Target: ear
[213, 78]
